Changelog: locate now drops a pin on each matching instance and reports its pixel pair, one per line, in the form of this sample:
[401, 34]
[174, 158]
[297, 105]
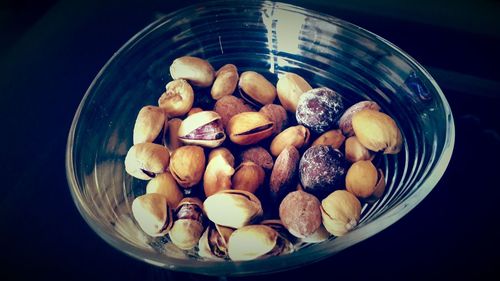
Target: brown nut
[166, 185]
[203, 128]
[177, 99]
[355, 151]
[300, 213]
[248, 176]
[249, 127]
[150, 122]
[194, 110]
[219, 171]
[229, 106]
[146, 160]
[256, 89]
[213, 242]
[277, 114]
[364, 181]
[187, 165]
[259, 156]
[226, 80]
[334, 138]
[252, 242]
[290, 87]
[345, 121]
[173, 142]
[197, 71]
[340, 212]
[153, 214]
[297, 136]
[285, 173]
[233, 208]
[377, 131]
[188, 225]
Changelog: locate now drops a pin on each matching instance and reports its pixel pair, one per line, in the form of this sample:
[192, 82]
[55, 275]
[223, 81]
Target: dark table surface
[48, 61]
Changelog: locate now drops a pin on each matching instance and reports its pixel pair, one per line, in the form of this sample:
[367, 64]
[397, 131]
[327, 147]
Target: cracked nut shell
[187, 165]
[365, 181]
[188, 225]
[213, 242]
[355, 151]
[377, 131]
[166, 185]
[249, 128]
[256, 89]
[153, 214]
[202, 128]
[345, 121]
[146, 160]
[251, 242]
[177, 99]
[340, 212]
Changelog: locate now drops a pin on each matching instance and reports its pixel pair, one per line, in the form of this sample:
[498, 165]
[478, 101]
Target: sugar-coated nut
[256, 89]
[177, 99]
[166, 185]
[226, 80]
[334, 138]
[322, 170]
[172, 141]
[188, 225]
[340, 212]
[290, 87]
[365, 181]
[187, 165]
[213, 242]
[146, 160]
[202, 128]
[300, 213]
[229, 106]
[259, 156]
[153, 214]
[150, 122]
[377, 131]
[355, 151]
[249, 128]
[248, 176]
[285, 173]
[297, 136]
[194, 110]
[345, 121]
[277, 114]
[251, 242]
[219, 171]
[319, 109]
[197, 71]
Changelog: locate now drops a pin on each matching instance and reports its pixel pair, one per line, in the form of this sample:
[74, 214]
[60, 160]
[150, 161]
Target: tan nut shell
[256, 89]
[377, 131]
[219, 171]
[187, 165]
[249, 128]
[364, 181]
[345, 121]
[177, 99]
[194, 110]
[297, 136]
[355, 151]
[150, 121]
[248, 176]
[210, 251]
[186, 233]
[195, 121]
[232, 208]
[166, 185]
[197, 71]
[153, 214]
[251, 242]
[173, 141]
[290, 87]
[150, 157]
[334, 138]
[340, 212]
[226, 80]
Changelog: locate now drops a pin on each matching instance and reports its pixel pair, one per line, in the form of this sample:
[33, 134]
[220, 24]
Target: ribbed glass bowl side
[270, 38]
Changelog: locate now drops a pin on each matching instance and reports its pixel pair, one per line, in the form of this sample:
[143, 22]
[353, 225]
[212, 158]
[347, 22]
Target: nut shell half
[202, 128]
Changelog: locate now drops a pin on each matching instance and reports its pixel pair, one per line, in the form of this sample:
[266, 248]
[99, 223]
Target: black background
[51, 50]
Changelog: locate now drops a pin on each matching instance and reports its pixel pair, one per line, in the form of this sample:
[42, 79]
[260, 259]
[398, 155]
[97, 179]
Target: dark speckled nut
[322, 170]
[319, 109]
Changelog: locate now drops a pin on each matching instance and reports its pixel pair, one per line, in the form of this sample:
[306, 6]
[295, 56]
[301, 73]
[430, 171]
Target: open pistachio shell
[213, 243]
[251, 242]
[146, 160]
[340, 212]
[249, 128]
[256, 89]
[202, 128]
[153, 214]
[377, 131]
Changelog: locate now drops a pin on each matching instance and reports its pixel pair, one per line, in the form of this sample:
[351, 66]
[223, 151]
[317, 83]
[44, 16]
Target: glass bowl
[270, 38]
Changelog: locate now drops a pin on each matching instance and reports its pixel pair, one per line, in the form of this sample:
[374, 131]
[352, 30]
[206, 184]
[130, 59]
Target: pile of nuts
[249, 178]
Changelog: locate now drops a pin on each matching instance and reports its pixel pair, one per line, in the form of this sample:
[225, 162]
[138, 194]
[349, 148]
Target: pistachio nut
[355, 151]
[259, 156]
[187, 165]
[297, 136]
[300, 213]
[345, 121]
[219, 171]
[256, 89]
[188, 225]
[248, 176]
[334, 138]
[284, 176]
[290, 87]
[213, 242]
[320, 235]
[172, 141]
[166, 185]
[146, 160]
[153, 214]
[198, 72]
[251, 242]
[340, 212]
[229, 106]
[365, 181]
[232, 208]
[194, 110]
[150, 122]
[177, 99]
[277, 114]
[286, 239]
[249, 128]
[377, 131]
[203, 128]
[225, 82]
